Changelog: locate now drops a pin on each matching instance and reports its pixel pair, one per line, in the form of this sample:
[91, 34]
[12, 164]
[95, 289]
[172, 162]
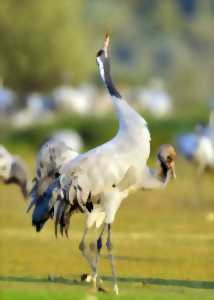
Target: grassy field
[131, 291]
[163, 243]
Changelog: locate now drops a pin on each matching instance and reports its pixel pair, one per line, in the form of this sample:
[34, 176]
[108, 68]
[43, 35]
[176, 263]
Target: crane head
[103, 53]
[166, 157]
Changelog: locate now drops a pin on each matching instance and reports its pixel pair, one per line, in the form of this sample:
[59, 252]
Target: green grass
[131, 291]
[163, 243]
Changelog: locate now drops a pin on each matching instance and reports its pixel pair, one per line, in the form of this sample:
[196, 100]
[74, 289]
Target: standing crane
[107, 174]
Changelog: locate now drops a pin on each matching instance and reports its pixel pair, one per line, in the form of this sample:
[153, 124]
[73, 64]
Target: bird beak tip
[107, 35]
[173, 173]
[106, 42]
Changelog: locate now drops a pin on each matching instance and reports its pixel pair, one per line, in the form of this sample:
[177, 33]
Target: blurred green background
[47, 44]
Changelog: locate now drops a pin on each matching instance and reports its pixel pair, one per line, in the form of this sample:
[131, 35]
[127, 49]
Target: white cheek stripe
[101, 68]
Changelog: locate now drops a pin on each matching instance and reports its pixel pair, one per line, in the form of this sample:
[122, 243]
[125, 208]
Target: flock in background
[198, 146]
[96, 182]
[83, 100]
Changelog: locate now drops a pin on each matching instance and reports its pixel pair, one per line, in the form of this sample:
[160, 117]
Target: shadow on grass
[156, 281]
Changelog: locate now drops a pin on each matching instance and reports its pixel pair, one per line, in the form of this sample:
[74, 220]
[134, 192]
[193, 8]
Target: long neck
[108, 80]
[105, 73]
[128, 117]
[161, 171]
[155, 178]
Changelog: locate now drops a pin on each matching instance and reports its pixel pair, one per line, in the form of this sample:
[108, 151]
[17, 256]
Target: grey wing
[52, 156]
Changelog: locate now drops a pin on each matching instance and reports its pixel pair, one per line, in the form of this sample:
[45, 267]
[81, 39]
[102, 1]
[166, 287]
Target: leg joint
[109, 244]
[99, 244]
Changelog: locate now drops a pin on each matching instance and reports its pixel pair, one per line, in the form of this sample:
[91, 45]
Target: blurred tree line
[45, 43]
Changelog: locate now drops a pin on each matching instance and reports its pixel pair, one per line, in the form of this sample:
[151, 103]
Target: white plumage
[95, 217]
[69, 137]
[199, 146]
[129, 149]
[6, 161]
[204, 153]
[13, 170]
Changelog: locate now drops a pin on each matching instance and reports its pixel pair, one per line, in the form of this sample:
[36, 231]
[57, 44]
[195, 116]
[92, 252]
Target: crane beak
[172, 168]
[106, 44]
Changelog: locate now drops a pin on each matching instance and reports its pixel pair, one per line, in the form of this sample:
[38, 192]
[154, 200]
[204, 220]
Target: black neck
[108, 80]
[164, 169]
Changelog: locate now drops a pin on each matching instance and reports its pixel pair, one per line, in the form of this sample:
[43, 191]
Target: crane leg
[82, 248]
[112, 261]
[97, 256]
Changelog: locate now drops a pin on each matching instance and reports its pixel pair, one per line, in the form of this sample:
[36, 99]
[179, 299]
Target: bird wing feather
[45, 160]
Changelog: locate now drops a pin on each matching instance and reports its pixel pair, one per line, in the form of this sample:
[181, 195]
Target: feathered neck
[128, 118]
[162, 171]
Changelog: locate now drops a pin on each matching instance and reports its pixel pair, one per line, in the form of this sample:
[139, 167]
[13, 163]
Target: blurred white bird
[13, 170]
[53, 154]
[155, 99]
[199, 146]
[79, 100]
[70, 137]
